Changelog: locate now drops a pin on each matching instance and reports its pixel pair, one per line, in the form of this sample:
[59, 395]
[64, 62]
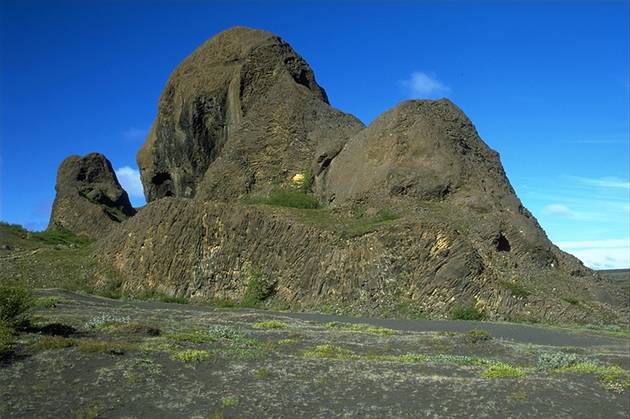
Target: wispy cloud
[605, 182]
[557, 209]
[600, 254]
[134, 133]
[129, 178]
[421, 85]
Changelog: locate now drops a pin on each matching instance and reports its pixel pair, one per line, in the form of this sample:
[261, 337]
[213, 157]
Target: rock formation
[89, 198]
[417, 210]
[243, 111]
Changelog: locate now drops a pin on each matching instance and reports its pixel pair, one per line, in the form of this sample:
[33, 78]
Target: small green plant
[516, 289]
[15, 302]
[154, 295]
[219, 331]
[477, 335]
[571, 300]
[258, 290]
[502, 370]
[190, 356]
[271, 324]
[328, 351]
[229, 401]
[466, 313]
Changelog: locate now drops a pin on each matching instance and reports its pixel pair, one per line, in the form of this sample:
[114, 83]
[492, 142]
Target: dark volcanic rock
[89, 198]
[241, 112]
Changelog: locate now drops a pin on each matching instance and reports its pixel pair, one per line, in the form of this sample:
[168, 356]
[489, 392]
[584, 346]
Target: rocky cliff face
[417, 210]
[89, 199]
[243, 111]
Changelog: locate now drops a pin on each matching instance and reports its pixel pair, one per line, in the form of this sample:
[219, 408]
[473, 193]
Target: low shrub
[360, 327]
[193, 336]
[556, 360]
[517, 290]
[477, 335]
[271, 324]
[503, 370]
[292, 198]
[466, 313]
[106, 319]
[45, 343]
[219, 331]
[328, 351]
[258, 290]
[191, 356]
[104, 346]
[6, 336]
[15, 302]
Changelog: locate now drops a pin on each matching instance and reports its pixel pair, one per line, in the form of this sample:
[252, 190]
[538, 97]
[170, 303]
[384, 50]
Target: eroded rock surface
[89, 199]
[242, 111]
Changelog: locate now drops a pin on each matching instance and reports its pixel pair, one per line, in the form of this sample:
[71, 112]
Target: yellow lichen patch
[298, 179]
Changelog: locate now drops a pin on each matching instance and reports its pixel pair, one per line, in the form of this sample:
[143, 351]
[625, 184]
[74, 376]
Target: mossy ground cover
[241, 363]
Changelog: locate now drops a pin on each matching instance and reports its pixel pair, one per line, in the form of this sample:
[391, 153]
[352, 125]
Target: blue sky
[545, 83]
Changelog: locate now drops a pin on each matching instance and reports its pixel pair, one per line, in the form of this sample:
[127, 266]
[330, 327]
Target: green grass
[154, 295]
[570, 300]
[271, 324]
[503, 370]
[359, 327]
[517, 290]
[191, 356]
[50, 302]
[466, 313]
[45, 343]
[289, 197]
[229, 401]
[60, 235]
[7, 333]
[287, 342]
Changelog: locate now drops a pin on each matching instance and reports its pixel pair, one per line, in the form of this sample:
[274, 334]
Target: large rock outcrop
[89, 199]
[417, 209]
[242, 112]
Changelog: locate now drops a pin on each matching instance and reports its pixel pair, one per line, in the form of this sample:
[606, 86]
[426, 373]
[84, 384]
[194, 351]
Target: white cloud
[557, 209]
[422, 85]
[606, 182]
[600, 254]
[129, 178]
[135, 133]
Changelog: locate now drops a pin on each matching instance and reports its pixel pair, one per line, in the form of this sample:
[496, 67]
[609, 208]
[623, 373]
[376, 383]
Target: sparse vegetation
[60, 235]
[477, 335]
[191, 356]
[15, 302]
[258, 290]
[328, 351]
[360, 327]
[271, 324]
[570, 300]
[106, 319]
[229, 401]
[290, 197]
[287, 342]
[556, 360]
[516, 289]
[49, 302]
[219, 331]
[503, 370]
[45, 343]
[611, 375]
[466, 313]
